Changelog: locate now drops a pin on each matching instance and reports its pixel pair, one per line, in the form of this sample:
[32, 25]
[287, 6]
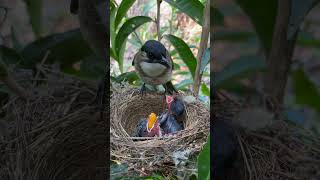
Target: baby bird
[149, 127]
[154, 65]
[176, 107]
[169, 124]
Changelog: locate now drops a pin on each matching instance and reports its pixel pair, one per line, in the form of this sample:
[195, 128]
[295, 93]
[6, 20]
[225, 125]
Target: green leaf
[121, 56]
[204, 162]
[92, 67]
[3, 70]
[113, 11]
[233, 36]
[238, 67]
[184, 52]
[193, 8]
[34, 8]
[183, 84]
[122, 11]
[16, 44]
[262, 15]
[306, 92]
[130, 76]
[65, 48]
[205, 90]
[205, 60]
[218, 18]
[127, 28]
[9, 55]
[299, 10]
[308, 42]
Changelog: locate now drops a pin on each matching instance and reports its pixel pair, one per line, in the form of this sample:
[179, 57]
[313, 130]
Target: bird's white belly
[152, 69]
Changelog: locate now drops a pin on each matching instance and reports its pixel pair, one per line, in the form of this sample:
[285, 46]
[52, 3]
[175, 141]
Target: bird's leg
[143, 89]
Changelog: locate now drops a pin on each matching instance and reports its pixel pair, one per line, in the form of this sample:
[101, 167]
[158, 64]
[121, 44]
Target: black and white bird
[154, 66]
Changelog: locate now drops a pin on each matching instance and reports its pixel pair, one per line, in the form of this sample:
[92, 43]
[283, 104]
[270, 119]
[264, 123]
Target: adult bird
[154, 66]
[94, 23]
[94, 26]
[148, 127]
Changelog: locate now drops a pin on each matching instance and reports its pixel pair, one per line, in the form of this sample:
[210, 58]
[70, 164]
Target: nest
[157, 153]
[54, 135]
[281, 151]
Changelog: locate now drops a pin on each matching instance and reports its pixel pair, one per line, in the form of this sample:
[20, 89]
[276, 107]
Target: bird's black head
[154, 49]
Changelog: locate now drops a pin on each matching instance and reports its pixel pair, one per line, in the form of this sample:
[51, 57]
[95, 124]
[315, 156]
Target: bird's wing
[163, 118]
[170, 59]
[135, 57]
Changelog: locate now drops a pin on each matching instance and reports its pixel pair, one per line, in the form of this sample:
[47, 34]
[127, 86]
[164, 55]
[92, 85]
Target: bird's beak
[169, 100]
[151, 121]
[164, 61]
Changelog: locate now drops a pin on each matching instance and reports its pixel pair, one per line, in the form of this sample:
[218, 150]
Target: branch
[280, 58]
[203, 46]
[158, 19]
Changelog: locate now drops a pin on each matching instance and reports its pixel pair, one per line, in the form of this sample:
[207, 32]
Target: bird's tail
[170, 88]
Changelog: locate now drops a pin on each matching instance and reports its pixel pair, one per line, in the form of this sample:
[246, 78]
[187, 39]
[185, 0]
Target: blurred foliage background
[242, 39]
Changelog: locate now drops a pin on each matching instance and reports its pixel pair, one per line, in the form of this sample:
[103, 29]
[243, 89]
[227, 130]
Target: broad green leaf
[122, 11]
[205, 60]
[233, 36]
[308, 41]
[121, 56]
[184, 83]
[130, 76]
[15, 42]
[113, 11]
[3, 70]
[34, 8]
[205, 90]
[65, 48]
[92, 67]
[306, 92]
[193, 8]
[238, 67]
[9, 55]
[127, 28]
[204, 162]
[262, 15]
[299, 10]
[112, 54]
[218, 18]
[174, 52]
[184, 52]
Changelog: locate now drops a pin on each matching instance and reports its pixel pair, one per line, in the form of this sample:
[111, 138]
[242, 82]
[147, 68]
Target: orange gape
[152, 119]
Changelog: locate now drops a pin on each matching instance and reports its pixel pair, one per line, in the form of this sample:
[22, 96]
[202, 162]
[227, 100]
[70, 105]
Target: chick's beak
[169, 100]
[151, 121]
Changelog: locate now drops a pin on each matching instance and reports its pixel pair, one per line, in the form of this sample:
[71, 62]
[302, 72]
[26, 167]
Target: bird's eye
[151, 56]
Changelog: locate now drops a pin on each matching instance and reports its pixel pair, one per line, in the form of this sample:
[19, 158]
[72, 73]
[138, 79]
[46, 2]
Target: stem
[158, 19]
[203, 47]
[279, 60]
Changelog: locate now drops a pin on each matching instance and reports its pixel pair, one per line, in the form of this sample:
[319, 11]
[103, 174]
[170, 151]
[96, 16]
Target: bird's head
[154, 51]
[151, 121]
[169, 100]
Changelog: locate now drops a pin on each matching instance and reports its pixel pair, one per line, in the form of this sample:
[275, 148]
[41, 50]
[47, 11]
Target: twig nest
[128, 107]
